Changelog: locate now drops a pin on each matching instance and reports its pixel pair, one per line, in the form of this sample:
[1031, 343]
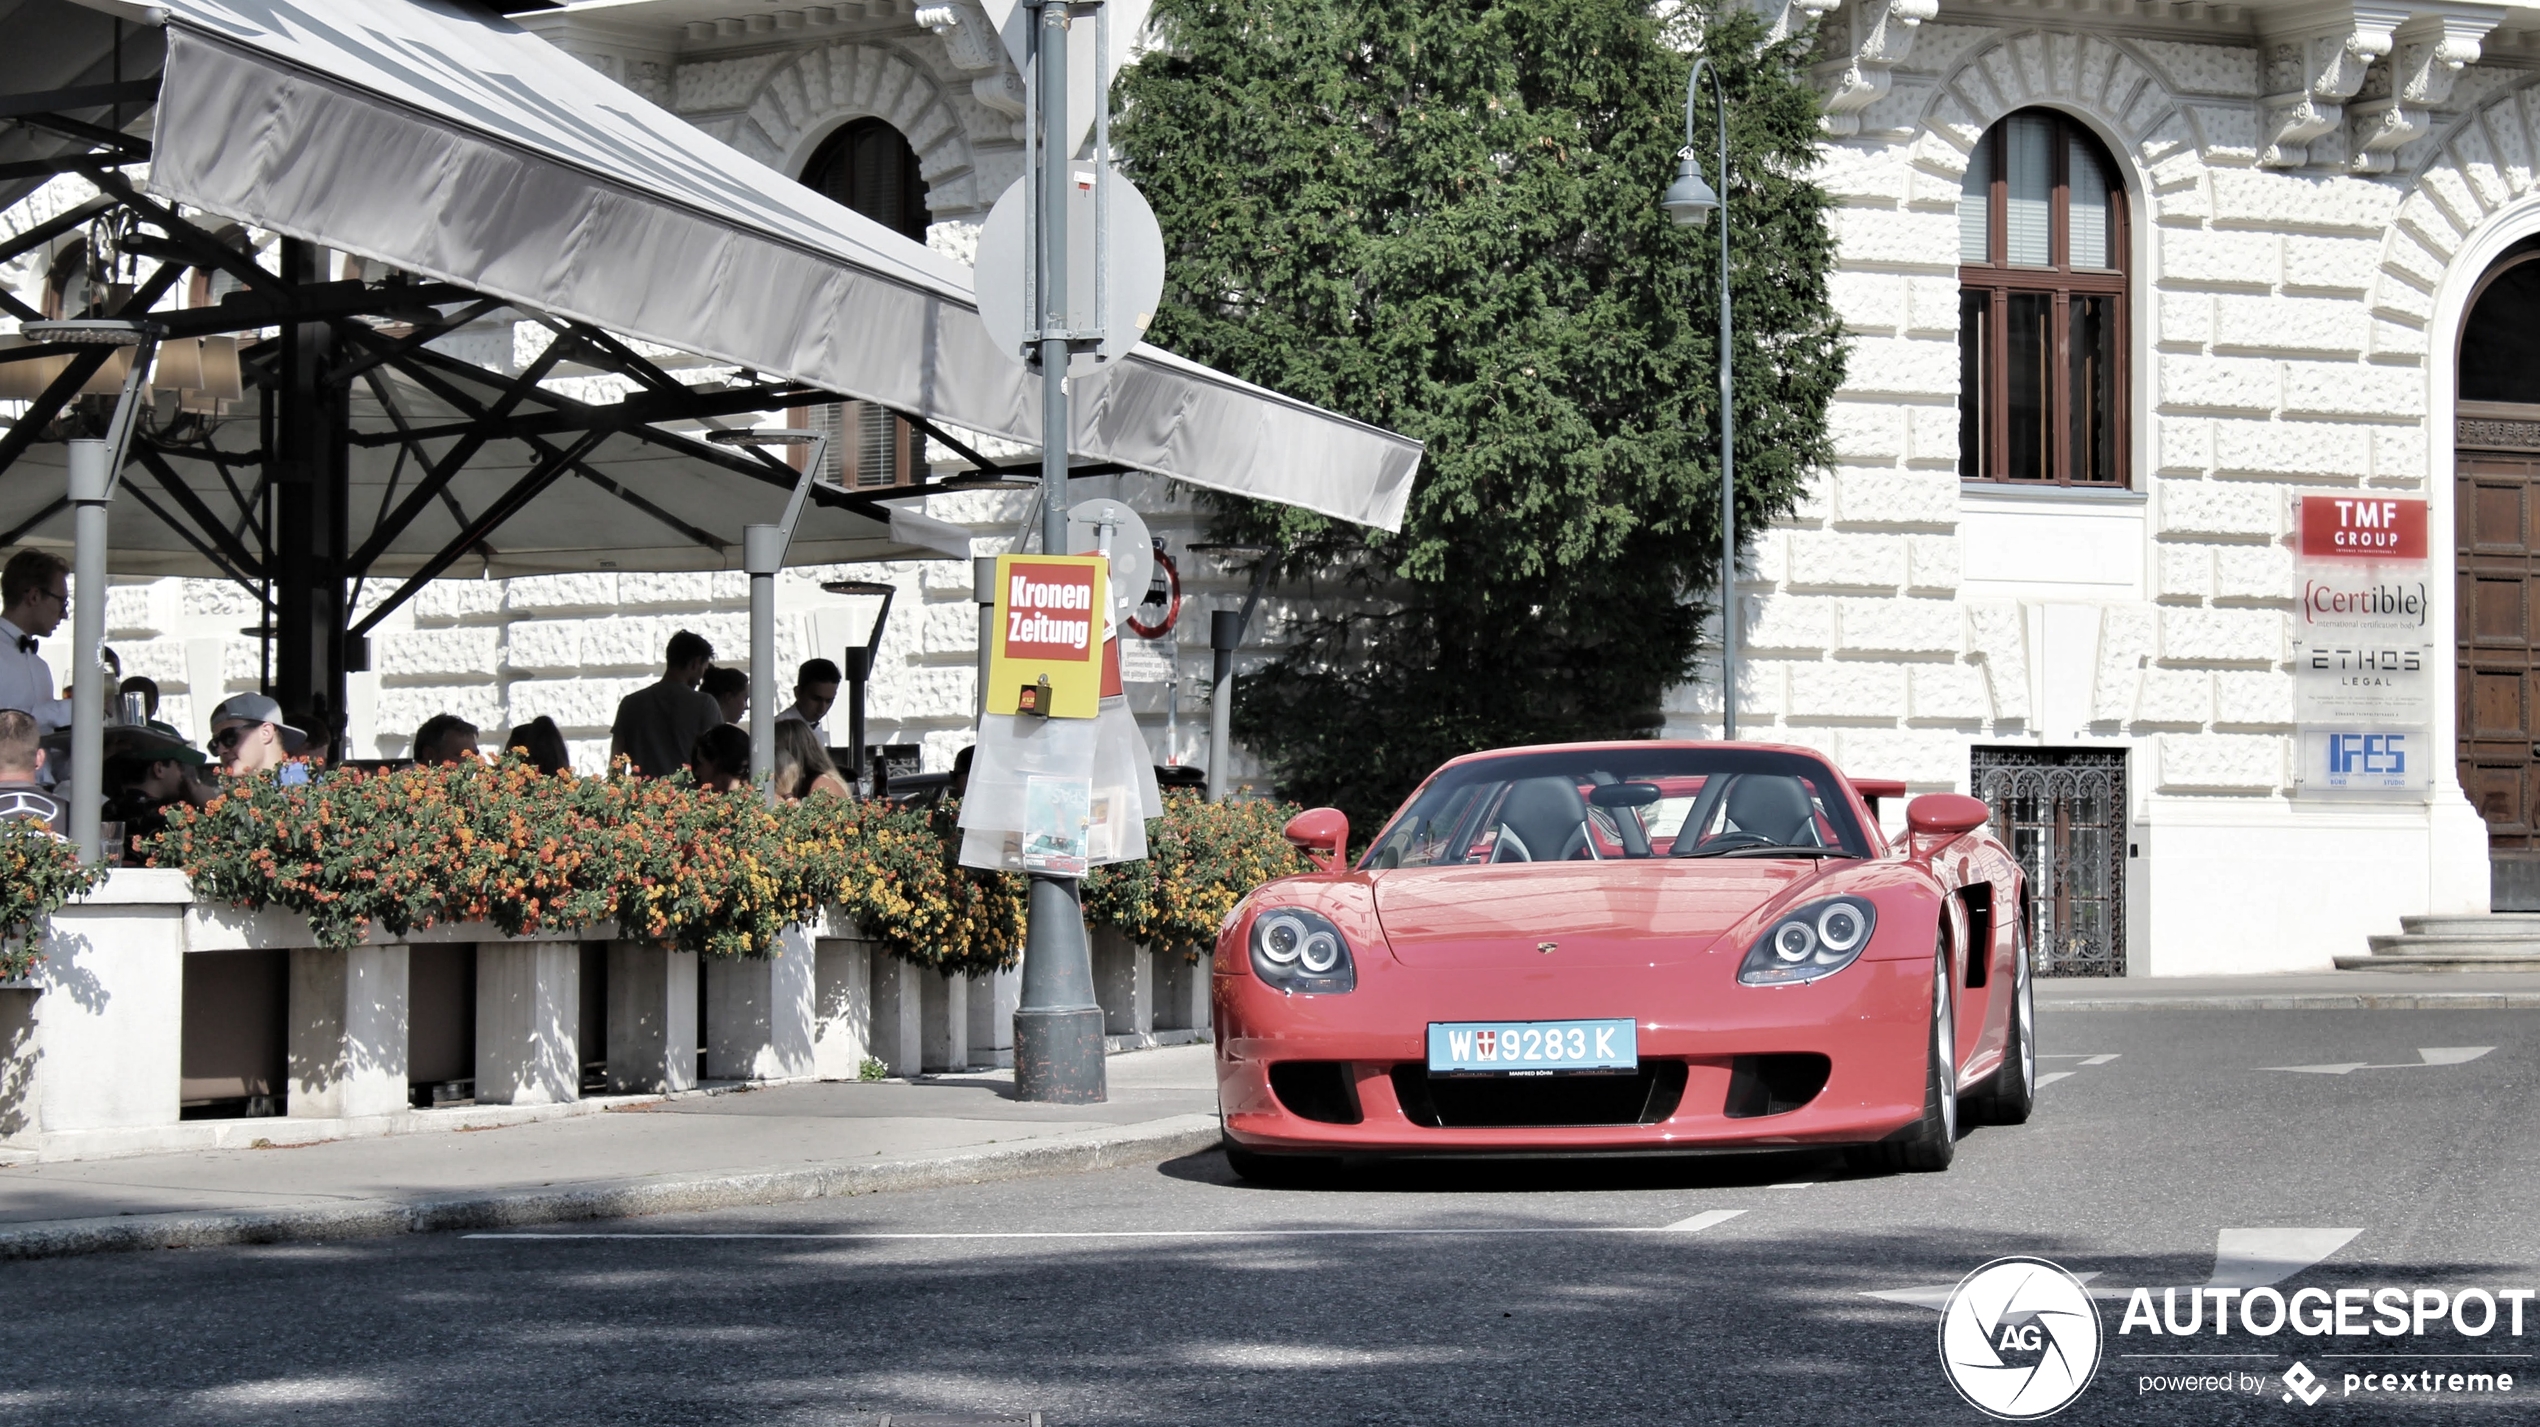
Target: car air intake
[1496, 1101]
[1774, 1084]
[1318, 1090]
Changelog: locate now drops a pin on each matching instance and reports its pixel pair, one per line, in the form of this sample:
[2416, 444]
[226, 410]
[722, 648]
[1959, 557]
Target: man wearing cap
[249, 736]
[35, 593]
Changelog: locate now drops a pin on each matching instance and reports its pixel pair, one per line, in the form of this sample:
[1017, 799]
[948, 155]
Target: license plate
[1532, 1047]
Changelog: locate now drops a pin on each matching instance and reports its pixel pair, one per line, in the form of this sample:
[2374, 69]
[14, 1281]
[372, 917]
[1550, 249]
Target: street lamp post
[763, 555]
[858, 659]
[1225, 636]
[94, 466]
[1689, 201]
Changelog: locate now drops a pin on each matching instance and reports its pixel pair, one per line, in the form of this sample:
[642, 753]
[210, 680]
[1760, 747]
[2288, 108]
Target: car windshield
[1622, 801]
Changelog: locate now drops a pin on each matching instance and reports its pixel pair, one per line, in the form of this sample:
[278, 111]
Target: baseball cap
[256, 708]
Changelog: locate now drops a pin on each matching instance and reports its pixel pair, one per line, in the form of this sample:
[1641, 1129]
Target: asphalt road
[1551, 1294]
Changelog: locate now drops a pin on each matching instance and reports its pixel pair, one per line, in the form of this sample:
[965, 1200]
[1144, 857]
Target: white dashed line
[1708, 1218]
[2099, 1060]
[2052, 1076]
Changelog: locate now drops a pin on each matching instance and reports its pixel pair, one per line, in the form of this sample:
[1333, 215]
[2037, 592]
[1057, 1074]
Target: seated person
[802, 765]
[720, 761]
[444, 739]
[22, 794]
[542, 743]
[147, 773]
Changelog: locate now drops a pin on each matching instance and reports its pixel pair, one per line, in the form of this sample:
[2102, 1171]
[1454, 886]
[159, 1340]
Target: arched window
[2041, 307]
[868, 167]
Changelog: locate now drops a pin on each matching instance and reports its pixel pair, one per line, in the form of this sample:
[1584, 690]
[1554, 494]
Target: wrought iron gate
[2062, 814]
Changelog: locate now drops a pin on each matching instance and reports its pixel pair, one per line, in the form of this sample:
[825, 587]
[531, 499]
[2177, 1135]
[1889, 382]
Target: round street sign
[1132, 549]
[1137, 269]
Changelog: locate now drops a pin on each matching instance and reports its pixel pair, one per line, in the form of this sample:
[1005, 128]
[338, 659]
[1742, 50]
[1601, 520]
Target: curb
[1149, 1143]
[2312, 1001]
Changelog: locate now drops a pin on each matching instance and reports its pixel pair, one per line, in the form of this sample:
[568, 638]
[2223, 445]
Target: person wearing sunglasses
[35, 594]
[249, 736]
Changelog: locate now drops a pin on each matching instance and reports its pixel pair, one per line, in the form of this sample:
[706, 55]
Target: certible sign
[1049, 617]
[1532, 1047]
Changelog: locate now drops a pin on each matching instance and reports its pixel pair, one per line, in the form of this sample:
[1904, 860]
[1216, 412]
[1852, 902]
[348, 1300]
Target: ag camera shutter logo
[2020, 1339]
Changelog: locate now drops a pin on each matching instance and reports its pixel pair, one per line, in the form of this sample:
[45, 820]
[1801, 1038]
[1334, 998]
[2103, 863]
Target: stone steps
[2500, 941]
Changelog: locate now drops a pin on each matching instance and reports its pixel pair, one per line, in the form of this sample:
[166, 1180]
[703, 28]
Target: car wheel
[2012, 1092]
[1281, 1171]
[1932, 1141]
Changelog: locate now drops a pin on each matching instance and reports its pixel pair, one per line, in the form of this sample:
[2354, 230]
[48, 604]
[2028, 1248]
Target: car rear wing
[1873, 789]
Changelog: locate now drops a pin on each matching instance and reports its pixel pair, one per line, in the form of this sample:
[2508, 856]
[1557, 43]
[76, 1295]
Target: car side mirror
[1946, 815]
[1321, 834]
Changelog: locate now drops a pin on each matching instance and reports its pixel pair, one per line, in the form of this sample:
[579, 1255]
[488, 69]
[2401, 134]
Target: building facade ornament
[1866, 40]
[971, 42]
[2311, 73]
[2426, 59]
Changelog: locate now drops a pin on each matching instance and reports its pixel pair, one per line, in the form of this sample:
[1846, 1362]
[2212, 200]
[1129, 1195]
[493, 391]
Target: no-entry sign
[1049, 618]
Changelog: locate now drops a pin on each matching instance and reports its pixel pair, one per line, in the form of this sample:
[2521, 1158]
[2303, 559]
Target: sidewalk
[2319, 991]
[695, 1152]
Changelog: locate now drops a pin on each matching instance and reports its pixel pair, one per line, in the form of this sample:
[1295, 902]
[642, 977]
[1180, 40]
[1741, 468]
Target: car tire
[2011, 1094]
[1278, 1171]
[1931, 1142]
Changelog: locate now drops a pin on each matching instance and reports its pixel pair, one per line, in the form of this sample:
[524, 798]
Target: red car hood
[1620, 913]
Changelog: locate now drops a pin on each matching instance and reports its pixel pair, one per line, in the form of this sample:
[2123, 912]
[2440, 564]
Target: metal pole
[1728, 456]
[859, 669]
[1058, 1045]
[91, 480]
[1225, 634]
[983, 592]
[763, 554]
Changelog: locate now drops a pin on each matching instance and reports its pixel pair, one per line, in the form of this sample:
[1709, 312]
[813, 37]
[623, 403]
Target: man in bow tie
[35, 594]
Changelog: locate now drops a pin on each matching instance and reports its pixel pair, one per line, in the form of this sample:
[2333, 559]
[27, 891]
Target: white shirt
[26, 682]
[796, 714]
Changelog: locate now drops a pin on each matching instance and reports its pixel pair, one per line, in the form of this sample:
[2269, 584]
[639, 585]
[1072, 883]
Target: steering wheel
[1729, 841]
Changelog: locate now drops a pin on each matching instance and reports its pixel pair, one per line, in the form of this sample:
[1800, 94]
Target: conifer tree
[1440, 216]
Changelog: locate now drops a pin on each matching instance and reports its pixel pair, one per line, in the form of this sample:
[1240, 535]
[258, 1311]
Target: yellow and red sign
[1049, 622]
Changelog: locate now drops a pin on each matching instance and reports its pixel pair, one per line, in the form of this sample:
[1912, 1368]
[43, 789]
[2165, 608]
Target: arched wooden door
[2496, 571]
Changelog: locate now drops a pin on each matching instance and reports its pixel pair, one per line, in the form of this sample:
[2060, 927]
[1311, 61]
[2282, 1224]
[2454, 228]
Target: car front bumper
[1871, 1022]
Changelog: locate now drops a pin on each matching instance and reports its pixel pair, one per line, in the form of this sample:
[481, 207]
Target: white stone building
[2213, 257]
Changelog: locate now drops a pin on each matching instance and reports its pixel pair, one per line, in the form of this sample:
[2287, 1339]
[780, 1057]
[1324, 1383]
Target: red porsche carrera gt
[1629, 947]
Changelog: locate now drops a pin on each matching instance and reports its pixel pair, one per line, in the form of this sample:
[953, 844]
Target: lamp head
[1689, 200]
[93, 331]
[762, 436]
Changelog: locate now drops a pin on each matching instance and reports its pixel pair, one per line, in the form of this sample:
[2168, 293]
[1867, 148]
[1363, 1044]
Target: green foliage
[1441, 218]
[1201, 859]
[39, 872]
[717, 873]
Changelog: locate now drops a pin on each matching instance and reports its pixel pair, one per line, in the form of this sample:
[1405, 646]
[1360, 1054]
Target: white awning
[473, 152]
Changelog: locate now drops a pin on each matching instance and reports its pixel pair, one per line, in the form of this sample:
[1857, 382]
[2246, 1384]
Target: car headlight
[1817, 940]
[1300, 952]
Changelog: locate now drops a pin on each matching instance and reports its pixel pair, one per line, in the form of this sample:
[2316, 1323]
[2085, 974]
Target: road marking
[1691, 1225]
[2243, 1258]
[2052, 1076]
[2099, 1059]
[1704, 1220]
[1794, 1184]
[1935, 1296]
[2254, 1258]
[2426, 1055]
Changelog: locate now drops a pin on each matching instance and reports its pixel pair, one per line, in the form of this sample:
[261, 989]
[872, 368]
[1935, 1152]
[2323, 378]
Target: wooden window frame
[1998, 280]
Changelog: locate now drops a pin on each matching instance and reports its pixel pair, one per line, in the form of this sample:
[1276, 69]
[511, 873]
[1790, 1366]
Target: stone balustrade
[159, 1022]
